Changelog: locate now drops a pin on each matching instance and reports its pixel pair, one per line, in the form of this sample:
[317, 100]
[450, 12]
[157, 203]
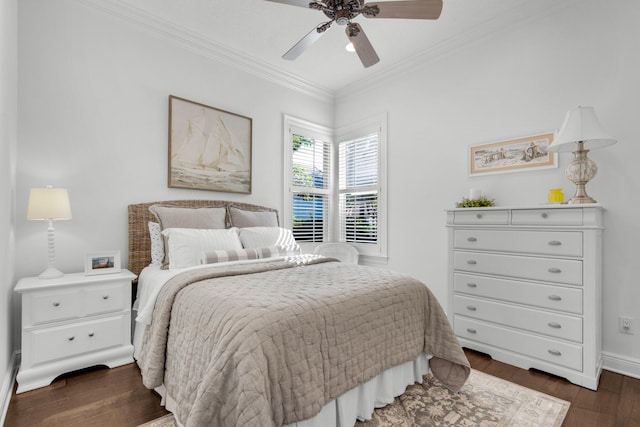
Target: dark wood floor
[116, 397]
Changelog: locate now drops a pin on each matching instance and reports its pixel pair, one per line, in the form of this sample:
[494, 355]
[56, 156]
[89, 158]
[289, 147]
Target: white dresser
[525, 286]
[73, 322]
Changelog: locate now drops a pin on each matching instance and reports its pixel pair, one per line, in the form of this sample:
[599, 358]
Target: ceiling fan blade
[416, 9]
[303, 44]
[301, 3]
[362, 45]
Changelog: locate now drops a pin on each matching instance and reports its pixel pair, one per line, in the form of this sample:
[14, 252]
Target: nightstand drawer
[547, 269]
[481, 217]
[72, 340]
[547, 217]
[107, 298]
[49, 306]
[568, 243]
[543, 322]
[534, 294]
[547, 349]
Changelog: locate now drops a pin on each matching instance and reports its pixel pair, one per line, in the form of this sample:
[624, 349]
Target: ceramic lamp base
[51, 273]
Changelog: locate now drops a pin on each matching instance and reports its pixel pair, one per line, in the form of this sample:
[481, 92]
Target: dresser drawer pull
[471, 308]
[479, 216]
[555, 297]
[544, 215]
[554, 352]
[105, 296]
[555, 243]
[71, 338]
[91, 334]
[554, 325]
[471, 330]
[56, 304]
[471, 239]
[472, 285]
[554, 270]
[472, 262]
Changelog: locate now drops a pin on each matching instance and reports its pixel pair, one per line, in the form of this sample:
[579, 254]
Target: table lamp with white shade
[580, 132]
[49, 204]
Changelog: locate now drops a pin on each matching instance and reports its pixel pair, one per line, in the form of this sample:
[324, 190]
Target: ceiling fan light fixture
[349, 47]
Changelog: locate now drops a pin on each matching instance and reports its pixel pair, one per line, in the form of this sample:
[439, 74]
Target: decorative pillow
[157, 245]
[241, 218]
[278, 251]
[212, 257]
[260, 237]
[176, 217]
[186, 244]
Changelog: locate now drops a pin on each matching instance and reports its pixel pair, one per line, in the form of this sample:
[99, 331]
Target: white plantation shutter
[358, 188]
[310, 187]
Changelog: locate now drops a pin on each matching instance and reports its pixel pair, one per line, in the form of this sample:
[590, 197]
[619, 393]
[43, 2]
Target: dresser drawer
[560, 243]
[543, 322]
[547, 349]
[107, 298]
[71, 340]
[534, 268]
[545, 296]
[53, 305]
[547, 217]
[488, 217]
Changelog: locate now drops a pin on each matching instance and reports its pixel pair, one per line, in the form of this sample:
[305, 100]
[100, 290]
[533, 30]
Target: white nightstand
[73, 322]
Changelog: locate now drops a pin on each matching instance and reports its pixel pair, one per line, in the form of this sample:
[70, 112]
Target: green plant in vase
[480, 202]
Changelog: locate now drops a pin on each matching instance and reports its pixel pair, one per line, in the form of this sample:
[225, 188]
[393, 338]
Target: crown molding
[448, 47]
[208, 48]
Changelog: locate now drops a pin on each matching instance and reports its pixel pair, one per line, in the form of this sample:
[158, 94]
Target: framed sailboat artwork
[209, 148]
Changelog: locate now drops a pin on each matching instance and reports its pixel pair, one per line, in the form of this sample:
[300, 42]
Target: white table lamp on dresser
[49, 204]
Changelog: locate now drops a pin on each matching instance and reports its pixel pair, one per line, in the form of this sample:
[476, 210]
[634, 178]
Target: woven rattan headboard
[139, 217]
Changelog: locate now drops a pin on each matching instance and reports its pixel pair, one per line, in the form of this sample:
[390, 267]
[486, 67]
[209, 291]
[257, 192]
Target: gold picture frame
[512, 156]
[209, 148]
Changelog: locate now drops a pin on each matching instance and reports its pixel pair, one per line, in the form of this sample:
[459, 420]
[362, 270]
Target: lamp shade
[48, 203]
[580, 125]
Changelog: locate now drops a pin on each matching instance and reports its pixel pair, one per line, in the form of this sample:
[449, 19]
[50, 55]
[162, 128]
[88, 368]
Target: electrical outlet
[625, 325]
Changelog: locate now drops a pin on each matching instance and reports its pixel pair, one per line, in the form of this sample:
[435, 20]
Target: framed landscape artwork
[511, 156]
[209, 148]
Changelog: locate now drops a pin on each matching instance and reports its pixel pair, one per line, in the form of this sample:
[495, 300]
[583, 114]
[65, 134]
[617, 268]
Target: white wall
[8, 138]
[93, 118]
[518, 83]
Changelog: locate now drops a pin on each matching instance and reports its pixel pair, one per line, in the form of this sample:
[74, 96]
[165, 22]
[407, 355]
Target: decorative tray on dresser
[525, 286]
[73, 322]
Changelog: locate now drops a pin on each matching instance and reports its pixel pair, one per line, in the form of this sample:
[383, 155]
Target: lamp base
[51, 273]
[580, 171]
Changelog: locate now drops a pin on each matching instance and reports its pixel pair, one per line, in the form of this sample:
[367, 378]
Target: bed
[261, 335]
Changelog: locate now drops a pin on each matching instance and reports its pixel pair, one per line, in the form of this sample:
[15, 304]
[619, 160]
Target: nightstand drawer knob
[479, 216]
[554, 325]
[554, 270]
[91, 334]
[472, 262]
[471, 308]
[71, 338]
[56, 304]
[554, 352]
[555, 298]
[471, 239]
[544, 215]
[471, 330]
[472, 285]
[105, 296]
[555, 243]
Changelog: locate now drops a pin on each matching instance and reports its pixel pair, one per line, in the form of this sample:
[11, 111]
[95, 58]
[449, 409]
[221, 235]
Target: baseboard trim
[624, 365]
[8, 381]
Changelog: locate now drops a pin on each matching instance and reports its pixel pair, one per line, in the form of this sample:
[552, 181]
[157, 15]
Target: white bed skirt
[357, 403]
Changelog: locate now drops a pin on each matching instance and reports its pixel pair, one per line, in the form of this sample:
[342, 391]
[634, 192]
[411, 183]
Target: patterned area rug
[483, 401]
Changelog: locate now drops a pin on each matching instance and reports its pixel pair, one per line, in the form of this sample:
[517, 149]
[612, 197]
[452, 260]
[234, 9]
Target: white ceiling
[256, 33]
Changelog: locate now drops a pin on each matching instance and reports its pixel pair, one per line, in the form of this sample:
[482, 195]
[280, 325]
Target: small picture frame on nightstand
[104, 262]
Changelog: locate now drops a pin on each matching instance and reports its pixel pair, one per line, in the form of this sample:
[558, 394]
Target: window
[335, 189]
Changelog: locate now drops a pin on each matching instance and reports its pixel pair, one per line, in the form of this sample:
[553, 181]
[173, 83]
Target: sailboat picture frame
[209, 148]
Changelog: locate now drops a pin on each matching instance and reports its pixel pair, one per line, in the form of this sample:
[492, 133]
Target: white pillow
[260, 237]
[186, 244]
[157, 244]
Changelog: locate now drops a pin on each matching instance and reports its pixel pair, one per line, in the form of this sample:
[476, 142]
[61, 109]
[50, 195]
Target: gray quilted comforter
[270, 344]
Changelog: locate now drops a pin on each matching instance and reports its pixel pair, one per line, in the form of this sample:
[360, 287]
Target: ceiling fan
[343, 11]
